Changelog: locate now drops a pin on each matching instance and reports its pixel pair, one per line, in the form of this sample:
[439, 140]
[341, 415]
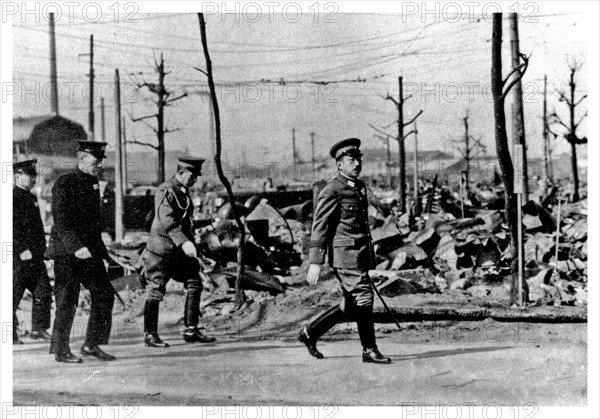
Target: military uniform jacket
[172, 224]
[77, 218]
[28, 229]
[341, 226]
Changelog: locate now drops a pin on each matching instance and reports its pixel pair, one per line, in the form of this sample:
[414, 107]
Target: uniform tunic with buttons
[340, 232]
[172, 226]
[78, 224]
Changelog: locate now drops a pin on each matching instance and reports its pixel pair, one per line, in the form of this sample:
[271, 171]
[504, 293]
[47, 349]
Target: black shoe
[17, 340]
[193, 335]
[68, 358]
[97, 352]
[154, 341]
[310, 345]
[373, 355]
[40, 334]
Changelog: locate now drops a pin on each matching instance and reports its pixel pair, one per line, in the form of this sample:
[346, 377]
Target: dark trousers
[357, 305]
[32, 275]
[70, 272]
[159, 270]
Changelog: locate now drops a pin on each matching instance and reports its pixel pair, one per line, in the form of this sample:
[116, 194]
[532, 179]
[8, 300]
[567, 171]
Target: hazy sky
[270, 70]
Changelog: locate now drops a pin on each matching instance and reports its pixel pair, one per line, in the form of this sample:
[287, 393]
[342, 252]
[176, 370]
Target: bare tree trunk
[573, 141]
[240, 296]
[401, 149]
[502, 150]
[160, 134]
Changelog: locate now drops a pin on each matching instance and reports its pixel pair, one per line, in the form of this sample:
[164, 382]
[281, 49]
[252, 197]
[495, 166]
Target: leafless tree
[570, 130]
[163, 100]
[469, 149]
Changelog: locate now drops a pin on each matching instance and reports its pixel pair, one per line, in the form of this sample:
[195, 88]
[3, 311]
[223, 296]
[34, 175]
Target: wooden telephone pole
[119, 230]
[518, 117]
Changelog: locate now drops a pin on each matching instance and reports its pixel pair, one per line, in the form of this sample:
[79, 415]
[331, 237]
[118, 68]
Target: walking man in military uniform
[29, 243]
[78, 251]
[341, 230]
[171, 254]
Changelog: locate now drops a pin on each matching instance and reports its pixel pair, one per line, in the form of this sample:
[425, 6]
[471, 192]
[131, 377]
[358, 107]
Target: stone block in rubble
[407, 256]
[539, 247]
[387, 231]
[536, 218]
[426, 239]
[576, 231]
[383, 265]
[392, 287]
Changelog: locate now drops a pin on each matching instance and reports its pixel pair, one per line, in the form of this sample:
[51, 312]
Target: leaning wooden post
[240, 297]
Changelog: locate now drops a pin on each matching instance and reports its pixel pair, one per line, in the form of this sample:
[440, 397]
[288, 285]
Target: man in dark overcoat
[79, 253]
[171, 254]
[340, 230]
[29, 245]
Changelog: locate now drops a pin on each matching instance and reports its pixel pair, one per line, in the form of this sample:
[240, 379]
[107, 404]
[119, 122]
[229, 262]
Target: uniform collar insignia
[347, 180]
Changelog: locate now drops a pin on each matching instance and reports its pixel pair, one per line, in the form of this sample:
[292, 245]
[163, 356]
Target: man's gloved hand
[83, 253]
[314, 271]
[26, 255]
[189, 249]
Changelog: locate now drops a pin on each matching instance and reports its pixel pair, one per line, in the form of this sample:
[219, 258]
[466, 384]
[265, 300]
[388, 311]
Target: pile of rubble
[472, 255]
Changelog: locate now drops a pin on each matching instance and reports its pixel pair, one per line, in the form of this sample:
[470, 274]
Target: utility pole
[91, 90]
[518, 117]
[124, 156]
[312, 142]
[119, 232]
[294, 145]
[102, 120]
[467, 151]
[547, 149]
[53, 72]
[416, 172]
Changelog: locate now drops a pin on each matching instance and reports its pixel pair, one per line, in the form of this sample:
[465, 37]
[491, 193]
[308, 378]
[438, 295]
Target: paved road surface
[506, 372]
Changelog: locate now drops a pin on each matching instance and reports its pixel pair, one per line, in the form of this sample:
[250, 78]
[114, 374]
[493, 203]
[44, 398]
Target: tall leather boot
[366, 333]
[309, 335]
[191, 316]
[151, 337]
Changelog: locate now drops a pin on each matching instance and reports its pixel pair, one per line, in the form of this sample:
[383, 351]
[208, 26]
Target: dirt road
[460, 363]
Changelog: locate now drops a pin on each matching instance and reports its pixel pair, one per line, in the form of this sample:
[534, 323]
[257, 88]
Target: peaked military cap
[193, 164]
[347, 147]
[26, 167]
[95, 148]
